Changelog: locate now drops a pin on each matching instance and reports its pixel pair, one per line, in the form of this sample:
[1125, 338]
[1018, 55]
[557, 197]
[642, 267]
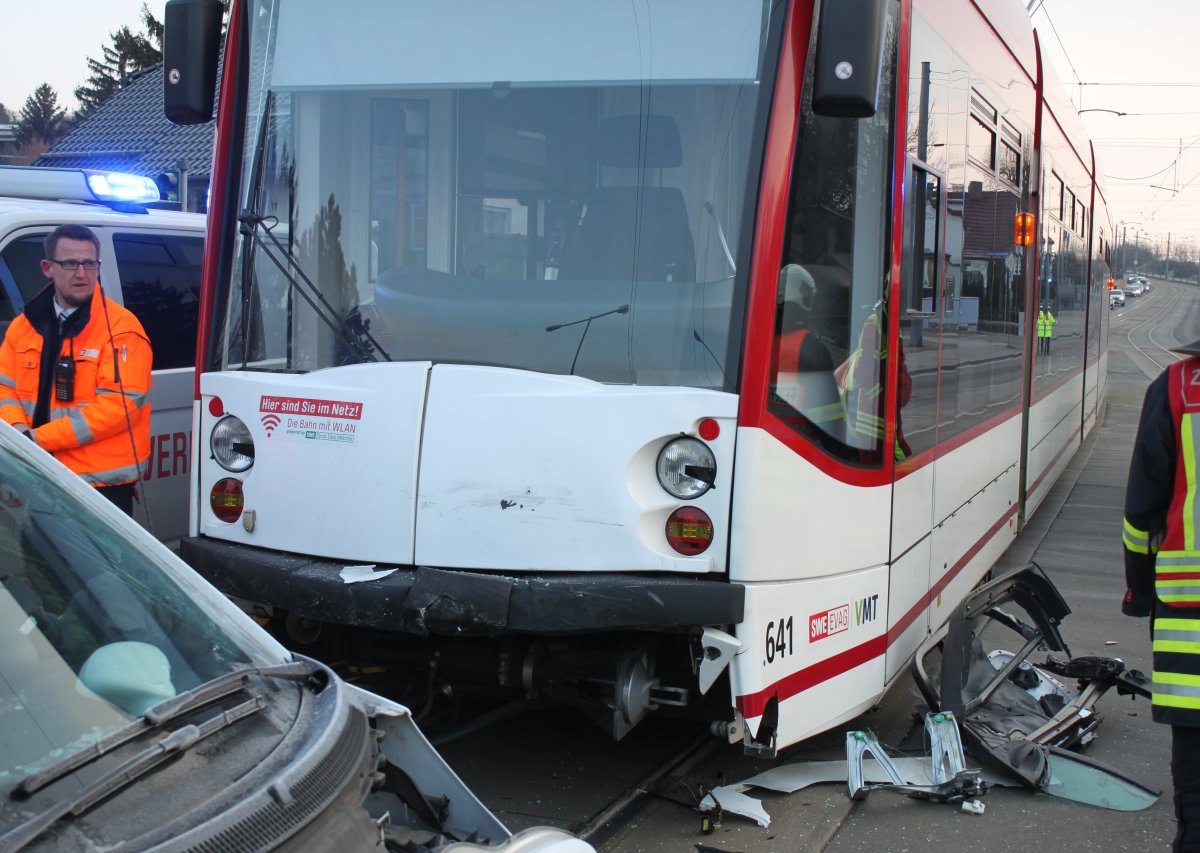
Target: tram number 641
[779, 639]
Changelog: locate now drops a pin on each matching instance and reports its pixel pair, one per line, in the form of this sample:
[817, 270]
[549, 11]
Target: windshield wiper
[361, 342]
[587, 321]
[177, 742]
[248, 277]
[159, 715]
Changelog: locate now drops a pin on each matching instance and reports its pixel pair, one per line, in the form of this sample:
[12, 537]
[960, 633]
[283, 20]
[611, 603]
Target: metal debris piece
[945, 779]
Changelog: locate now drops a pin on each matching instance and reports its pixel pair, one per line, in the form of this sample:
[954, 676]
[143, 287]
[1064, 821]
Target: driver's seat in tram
[632, 232]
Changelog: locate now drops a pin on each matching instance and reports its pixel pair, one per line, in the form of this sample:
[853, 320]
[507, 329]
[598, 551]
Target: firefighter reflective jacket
[103, 432]
[1162, 553]
[862, 386]
[804, 380]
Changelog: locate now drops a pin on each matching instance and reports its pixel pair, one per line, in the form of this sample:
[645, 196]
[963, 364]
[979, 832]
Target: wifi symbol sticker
[270, 422]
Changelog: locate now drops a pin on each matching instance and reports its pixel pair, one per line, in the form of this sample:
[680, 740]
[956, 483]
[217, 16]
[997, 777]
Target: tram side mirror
[191, 48]
[849, 58]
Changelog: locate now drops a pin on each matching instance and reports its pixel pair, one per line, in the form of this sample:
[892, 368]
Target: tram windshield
[449, 182]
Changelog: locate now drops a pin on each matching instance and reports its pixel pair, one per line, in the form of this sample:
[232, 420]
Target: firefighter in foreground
[75, 371]
[1162, 569]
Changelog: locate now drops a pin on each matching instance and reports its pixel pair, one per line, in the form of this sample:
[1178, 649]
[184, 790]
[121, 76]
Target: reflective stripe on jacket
[1162, 554]
[1177, 560]
[814, 392]
[103, 434]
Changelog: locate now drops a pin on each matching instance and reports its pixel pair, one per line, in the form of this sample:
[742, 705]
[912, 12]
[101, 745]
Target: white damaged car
[140, 710]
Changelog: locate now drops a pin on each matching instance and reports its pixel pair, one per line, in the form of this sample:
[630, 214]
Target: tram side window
[830, 339]
[160, 284]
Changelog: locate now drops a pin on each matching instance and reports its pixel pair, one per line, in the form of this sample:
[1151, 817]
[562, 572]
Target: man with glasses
[75, 371]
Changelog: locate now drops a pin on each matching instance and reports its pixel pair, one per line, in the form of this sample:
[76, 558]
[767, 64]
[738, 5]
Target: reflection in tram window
[836, 238]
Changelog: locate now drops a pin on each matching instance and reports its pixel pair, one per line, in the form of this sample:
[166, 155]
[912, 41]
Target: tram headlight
[686, 468]
[232, 445]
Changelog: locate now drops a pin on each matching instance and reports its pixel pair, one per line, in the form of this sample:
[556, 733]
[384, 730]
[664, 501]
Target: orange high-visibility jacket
[103, 434]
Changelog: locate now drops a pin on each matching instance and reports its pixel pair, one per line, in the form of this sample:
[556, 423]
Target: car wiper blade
[159, 715]
[177, 742]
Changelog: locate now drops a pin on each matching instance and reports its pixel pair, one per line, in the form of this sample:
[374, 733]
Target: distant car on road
[1134, 289]
[1116, 298]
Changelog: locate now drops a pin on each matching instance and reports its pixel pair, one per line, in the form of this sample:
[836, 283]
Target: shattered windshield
[459, 185]
[96, 627]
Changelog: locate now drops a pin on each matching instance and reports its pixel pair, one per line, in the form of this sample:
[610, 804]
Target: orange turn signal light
[1023, 225]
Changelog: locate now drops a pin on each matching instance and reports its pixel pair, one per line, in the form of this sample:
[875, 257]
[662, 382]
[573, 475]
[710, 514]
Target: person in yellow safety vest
[1045, 329]
[861, 378]
[1162, 569]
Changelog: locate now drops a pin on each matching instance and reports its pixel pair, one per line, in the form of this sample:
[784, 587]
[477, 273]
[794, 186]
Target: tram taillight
[689, 530]
[226, 499]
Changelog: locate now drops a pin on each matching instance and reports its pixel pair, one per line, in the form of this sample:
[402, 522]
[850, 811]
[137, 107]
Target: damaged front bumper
[428, 601]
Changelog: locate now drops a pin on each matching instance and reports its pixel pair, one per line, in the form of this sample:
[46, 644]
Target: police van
[150, 262]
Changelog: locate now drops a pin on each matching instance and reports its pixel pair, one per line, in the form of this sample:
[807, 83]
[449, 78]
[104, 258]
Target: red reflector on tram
[709, 429]
[226, 499]
[215, 407]
[689, 530]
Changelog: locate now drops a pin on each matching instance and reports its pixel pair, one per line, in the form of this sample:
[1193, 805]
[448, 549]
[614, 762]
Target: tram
[679, 355]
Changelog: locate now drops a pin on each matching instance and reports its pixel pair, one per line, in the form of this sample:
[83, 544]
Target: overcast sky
[1107, 42]
[1150, 157]
[51, 44]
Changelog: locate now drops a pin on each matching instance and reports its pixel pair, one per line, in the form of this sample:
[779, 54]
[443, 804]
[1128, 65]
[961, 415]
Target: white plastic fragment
[735, 802]
[358, 574]
[973, 807]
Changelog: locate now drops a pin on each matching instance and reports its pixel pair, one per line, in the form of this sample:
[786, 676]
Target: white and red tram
[674, 353]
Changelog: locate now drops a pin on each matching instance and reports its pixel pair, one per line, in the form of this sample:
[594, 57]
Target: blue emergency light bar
[81, 185]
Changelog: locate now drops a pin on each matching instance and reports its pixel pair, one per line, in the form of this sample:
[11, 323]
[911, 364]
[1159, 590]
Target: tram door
[919, 306]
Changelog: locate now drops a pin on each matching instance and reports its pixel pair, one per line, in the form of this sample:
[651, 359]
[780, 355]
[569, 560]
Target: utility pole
[1168, 255]
[1124, 242]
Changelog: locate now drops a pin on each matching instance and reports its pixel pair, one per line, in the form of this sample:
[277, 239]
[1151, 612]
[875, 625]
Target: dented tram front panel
[609, 336]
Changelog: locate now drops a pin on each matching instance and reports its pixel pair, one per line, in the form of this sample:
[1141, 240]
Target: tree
[127, 54]
[41, 118]
[5, 117]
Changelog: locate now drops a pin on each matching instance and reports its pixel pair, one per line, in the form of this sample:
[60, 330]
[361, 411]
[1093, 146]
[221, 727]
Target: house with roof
[128, 133]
